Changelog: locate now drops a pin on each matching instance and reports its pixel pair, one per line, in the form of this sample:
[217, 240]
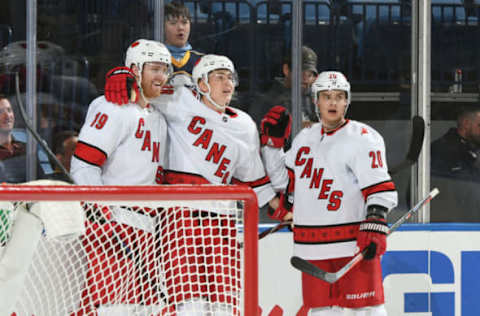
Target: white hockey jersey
[120, 145]
[206, 146]
[336, 175]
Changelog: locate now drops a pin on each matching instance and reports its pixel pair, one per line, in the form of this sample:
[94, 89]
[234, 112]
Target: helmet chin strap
[139, 84]
[209, 98]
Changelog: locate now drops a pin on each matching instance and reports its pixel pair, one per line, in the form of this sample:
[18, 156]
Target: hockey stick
[331, 277]
[34, 133]
[416, 143]
[274, 229]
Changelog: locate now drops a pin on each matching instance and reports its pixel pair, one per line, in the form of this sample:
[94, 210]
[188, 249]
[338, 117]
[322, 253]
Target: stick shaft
[274, 229]
[331, 277]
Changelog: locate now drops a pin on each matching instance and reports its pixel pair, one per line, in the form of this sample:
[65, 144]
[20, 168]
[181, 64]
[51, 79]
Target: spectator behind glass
[177, 31]
[12, 152]
[64, 144]
[457, 153]
[280, 91]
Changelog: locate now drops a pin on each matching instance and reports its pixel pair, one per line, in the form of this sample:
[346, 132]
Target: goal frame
[11, 192]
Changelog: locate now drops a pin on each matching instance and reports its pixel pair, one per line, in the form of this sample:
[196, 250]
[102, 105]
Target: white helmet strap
[139, 82]
[208, 96]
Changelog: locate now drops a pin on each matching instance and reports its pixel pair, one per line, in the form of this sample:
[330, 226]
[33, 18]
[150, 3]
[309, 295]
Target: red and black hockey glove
[119, 84]
[373, 232]
[275, 127]
[284, 207]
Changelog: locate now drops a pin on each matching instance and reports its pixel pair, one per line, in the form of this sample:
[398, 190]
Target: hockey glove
[119, 84]
[275, 127]
[284, 207]
[373, 233]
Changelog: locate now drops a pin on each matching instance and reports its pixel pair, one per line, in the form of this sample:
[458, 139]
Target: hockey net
[150, 250]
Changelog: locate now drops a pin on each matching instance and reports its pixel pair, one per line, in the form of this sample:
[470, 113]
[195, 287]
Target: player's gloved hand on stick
[119, 84]
[280, 213]
[373, 232]
[275, 127]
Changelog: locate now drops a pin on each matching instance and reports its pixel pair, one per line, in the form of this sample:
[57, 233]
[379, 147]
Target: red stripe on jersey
[291, 180]
[175, 177]
[230, 112]
[325, 234]
[168, 89]
[379, 187]
[253, 184]
[90, 154]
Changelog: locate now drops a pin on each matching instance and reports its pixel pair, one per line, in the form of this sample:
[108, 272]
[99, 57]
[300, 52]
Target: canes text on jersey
[148, 144]
[334, 197]
[215, 151]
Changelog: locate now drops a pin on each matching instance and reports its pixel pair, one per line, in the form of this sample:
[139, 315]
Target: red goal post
[200, 251]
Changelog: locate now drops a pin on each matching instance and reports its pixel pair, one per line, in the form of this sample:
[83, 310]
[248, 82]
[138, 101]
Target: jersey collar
[329, 133]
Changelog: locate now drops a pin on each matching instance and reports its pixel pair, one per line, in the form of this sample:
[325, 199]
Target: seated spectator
[12, 152]
[457, 153]
[455, 164]
[9, 147]
[280, 92]
[64, 144]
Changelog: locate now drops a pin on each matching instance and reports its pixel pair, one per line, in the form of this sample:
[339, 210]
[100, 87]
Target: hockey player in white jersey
[122, 146]
[209, 143]
[337, 178]
[126, 145]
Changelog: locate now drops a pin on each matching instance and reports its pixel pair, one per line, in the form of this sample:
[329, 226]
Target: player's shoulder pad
[169, 93]
[239, 112]
[308, 134]
[102, 103]
[363, 132]
[242, 122]
[314, 129]
[187, 92]
[243, 116]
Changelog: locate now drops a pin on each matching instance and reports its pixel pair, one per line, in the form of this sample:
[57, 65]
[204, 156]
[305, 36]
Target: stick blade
[309, 268]
[416, 143]
[418, 133]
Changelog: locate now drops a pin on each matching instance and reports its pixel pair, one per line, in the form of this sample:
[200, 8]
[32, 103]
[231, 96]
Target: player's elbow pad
[274, 163]
[85, 174]
[377, 211]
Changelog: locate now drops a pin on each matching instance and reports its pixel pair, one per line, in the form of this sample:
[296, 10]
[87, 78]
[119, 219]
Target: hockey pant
[200, 256]
[360, 287]
[122, 267]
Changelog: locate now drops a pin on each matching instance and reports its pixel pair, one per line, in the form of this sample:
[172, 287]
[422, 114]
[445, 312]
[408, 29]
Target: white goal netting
[138, 251]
